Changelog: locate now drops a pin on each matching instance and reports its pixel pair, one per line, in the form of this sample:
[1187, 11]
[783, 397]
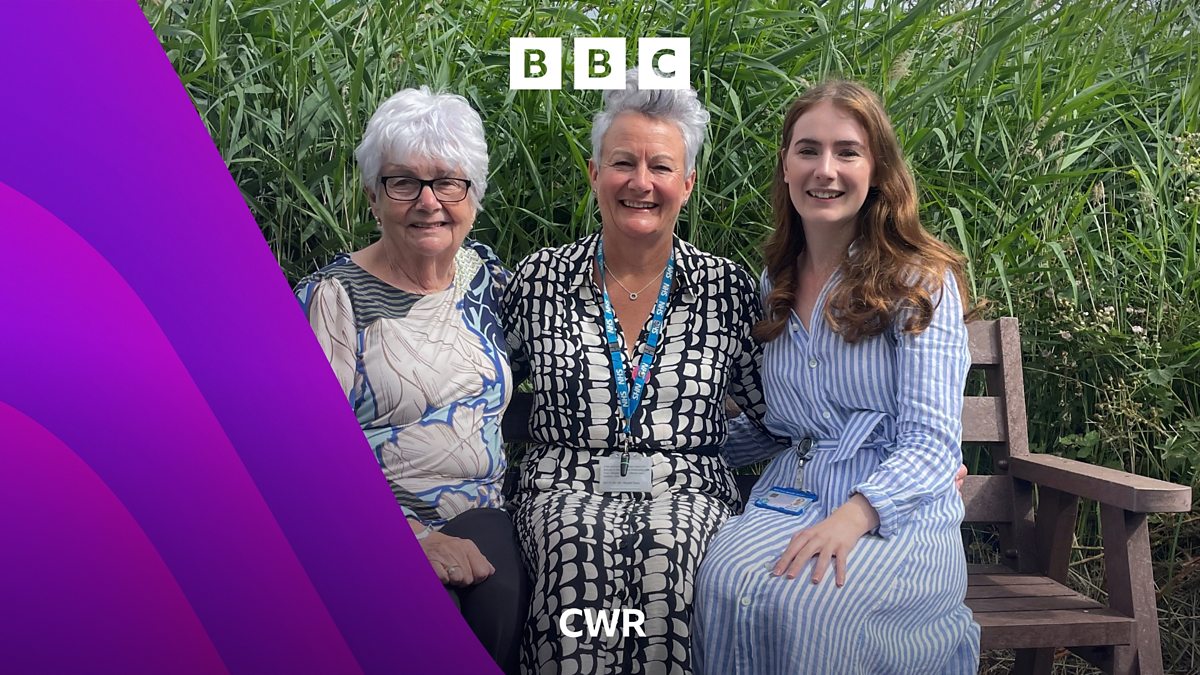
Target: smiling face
[828, 167]
[425, 226]
[639, 178]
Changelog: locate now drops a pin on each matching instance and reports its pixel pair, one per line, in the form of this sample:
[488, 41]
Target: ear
[688, 184]
[784, 165]
[593, 172]
[372, 200]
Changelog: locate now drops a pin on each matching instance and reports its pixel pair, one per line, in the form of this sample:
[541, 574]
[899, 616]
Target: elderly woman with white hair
[410, 326]
[632, 339]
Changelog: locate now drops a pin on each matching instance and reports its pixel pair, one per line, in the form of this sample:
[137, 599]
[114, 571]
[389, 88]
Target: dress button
[825, 414]
[812, 363]
[745, 602]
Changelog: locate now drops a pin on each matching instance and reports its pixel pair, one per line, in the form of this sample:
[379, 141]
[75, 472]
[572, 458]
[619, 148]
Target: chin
[643, 228]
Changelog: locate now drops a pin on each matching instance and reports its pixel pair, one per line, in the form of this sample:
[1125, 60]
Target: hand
[832, 538]
[960, 477]
[456, 561]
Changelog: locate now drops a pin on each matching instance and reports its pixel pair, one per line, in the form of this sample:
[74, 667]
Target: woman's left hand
[832, 538]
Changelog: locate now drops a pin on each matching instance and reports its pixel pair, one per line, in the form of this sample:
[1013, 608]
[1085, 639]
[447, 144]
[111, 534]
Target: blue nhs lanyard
[628, 399]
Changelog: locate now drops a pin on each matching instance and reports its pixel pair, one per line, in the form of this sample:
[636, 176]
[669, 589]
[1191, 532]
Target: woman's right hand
[456, 561]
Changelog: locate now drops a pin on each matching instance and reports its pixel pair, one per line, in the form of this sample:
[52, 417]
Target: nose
[825, 166]
[427, 200]
[640, 180]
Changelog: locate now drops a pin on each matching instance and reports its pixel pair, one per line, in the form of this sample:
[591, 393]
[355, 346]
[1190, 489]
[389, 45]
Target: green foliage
[1057, 144]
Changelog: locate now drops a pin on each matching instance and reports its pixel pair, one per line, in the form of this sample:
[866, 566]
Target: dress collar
[685, 262]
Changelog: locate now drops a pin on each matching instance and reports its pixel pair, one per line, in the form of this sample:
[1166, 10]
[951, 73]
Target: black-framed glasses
[408, 188]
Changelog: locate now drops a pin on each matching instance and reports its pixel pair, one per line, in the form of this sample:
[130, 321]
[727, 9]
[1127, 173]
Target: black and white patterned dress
[585, 549]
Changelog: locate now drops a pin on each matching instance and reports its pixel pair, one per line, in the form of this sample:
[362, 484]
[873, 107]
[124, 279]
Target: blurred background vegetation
[1056, 143]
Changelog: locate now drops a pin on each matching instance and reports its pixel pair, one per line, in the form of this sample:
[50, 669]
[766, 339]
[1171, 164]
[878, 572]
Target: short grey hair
[679, 106]
[417, 124]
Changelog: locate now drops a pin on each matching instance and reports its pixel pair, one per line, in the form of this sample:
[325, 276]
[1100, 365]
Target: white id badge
[636, 479]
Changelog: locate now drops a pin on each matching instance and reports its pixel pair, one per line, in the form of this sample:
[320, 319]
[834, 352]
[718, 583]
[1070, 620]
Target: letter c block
[664, 63]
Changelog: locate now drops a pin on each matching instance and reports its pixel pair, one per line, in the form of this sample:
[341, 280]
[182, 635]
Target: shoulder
[715, 272]
[486, 255]
[330, 279]
[557, 262]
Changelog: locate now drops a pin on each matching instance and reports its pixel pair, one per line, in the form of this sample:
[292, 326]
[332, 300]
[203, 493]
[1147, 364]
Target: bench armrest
[1107, 486]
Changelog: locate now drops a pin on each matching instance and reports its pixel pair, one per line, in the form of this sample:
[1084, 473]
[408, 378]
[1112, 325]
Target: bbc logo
[536, 63]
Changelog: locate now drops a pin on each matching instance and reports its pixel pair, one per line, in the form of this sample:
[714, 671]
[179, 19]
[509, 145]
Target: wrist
[866, 518]
[421, 530]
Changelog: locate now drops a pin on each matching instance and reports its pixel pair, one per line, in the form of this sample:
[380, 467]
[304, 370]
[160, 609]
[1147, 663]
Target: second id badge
[786, 500]
[636, 478]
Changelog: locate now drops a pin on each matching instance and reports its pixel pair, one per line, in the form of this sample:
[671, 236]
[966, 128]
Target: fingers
[460, 575]
[440, 570]
[960, 477]
[479, 565]
[814, 543]
[823, 559]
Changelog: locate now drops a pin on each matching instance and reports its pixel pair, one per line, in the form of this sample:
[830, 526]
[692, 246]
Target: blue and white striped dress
[885, 416]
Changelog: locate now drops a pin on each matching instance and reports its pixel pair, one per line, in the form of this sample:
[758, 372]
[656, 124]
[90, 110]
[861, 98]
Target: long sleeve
[931, 374]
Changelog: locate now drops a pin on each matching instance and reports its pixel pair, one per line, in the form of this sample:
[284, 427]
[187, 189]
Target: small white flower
[1138, 330]
[1066, 335]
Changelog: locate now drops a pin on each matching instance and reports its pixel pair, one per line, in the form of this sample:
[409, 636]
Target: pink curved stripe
[116, 392]
[84, 588]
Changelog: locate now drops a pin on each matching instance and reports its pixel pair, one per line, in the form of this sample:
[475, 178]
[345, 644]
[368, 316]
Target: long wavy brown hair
[898, 266]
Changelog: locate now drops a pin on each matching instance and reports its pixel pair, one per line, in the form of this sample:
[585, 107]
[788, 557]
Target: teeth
[823, 194]
[639, 205]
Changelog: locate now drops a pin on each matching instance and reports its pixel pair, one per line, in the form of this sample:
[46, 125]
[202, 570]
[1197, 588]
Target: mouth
[429, 226]
[637, 206]
[824, 195]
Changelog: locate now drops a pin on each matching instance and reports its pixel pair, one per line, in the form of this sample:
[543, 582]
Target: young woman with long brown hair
[864, 367]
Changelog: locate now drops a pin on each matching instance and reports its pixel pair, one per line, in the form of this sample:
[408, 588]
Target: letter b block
[535, 63]
[599, 63]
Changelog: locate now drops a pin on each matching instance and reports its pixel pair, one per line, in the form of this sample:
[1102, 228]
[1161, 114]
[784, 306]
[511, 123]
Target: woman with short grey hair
[632, 339]
[410, 326]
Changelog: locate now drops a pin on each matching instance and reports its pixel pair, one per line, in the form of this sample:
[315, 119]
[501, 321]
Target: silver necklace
[633, 295]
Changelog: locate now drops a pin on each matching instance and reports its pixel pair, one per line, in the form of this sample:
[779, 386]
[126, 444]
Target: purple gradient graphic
[156, 365]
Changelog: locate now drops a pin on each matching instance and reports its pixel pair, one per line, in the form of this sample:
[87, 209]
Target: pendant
[633, 296]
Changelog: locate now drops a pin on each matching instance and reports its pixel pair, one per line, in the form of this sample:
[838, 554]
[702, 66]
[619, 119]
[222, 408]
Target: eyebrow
[842, 143]
[658, 157]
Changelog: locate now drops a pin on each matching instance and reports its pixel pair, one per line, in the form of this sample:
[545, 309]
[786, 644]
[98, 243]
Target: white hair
[679, 106]
[415, 125]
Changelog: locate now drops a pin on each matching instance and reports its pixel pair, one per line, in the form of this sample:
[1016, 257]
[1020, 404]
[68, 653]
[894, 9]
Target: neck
[825, 250]
[636, 261]
[402, 268]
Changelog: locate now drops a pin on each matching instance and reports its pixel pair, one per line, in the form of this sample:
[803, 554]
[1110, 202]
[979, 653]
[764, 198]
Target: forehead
[420, 167]
[637, 133]
[827, 123]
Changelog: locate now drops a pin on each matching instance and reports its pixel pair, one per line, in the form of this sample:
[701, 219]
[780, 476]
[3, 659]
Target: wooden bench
[1033, 501]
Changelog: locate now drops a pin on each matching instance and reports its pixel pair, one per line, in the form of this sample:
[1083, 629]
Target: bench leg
[1034, 661]
[1130, 585]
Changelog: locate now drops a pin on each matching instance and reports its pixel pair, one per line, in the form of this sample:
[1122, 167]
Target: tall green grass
[1057, 144]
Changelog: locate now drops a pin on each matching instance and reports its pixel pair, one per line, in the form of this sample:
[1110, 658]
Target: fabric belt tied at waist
[858, 428]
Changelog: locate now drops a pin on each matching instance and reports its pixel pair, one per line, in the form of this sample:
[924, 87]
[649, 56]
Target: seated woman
[632, 339]
[410, 326]
[864, 367]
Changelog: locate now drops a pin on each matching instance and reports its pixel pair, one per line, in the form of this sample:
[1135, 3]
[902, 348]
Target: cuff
[884, 507]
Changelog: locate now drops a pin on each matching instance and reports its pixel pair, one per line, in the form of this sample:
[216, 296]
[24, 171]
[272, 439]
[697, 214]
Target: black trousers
[495, 608]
